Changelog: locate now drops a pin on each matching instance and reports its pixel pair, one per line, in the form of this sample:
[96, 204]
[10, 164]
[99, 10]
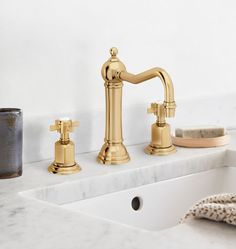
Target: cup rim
[9, 110]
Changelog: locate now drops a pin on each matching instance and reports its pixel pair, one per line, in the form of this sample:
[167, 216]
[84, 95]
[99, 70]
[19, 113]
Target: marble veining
[108, 183]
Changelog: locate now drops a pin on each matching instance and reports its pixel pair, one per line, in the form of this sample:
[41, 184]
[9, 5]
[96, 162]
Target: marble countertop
[30, 223]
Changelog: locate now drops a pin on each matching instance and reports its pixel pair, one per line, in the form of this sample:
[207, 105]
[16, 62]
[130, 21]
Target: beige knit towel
[221, 207]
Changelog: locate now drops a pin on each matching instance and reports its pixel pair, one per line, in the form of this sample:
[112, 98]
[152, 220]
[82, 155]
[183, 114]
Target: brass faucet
[114, 73]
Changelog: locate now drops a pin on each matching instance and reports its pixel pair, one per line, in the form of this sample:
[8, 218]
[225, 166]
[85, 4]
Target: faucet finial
[113, 51]
[112, 66]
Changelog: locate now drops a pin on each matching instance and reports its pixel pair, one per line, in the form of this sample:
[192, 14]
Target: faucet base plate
[158, 151]
[113, 154]
[64, 170]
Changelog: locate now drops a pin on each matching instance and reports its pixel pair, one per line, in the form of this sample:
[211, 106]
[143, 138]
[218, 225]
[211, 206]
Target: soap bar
[200, 132]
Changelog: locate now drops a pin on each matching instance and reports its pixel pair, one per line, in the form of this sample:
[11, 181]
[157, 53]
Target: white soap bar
[200, 132]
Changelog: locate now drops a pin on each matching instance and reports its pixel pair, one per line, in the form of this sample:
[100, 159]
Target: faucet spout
[169, 102]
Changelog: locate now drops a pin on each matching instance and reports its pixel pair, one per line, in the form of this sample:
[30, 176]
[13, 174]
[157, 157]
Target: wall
[51, 52]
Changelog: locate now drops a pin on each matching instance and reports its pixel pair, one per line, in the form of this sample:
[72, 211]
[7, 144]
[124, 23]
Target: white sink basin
[153, 206]
[162, 204]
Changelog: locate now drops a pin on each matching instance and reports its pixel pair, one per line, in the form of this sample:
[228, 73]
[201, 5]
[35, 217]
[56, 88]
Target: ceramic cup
[11, 123]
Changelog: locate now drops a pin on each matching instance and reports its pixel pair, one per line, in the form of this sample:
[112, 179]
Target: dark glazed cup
[11, 123]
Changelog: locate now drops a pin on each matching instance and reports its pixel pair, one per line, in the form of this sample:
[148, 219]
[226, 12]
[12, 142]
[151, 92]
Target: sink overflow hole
[136, 203]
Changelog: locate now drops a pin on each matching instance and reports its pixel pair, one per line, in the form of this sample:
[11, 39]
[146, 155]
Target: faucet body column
[113, 150]
[113, 133]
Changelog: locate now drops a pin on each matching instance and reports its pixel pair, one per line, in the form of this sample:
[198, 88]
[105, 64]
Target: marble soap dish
[200, 137]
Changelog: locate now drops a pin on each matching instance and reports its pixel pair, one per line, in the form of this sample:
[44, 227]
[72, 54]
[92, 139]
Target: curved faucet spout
[149, 74]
